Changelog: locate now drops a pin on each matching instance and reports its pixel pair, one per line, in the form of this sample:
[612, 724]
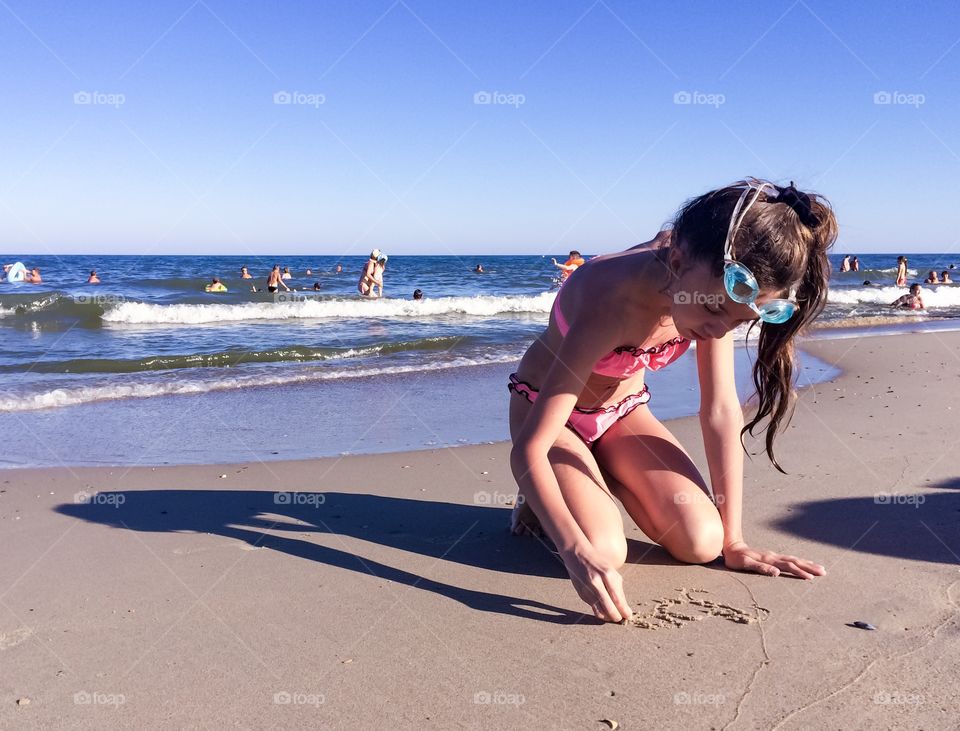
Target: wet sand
[385, 590]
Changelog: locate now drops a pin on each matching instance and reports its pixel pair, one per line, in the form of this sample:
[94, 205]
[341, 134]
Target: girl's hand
[740, 557]
[598, 583]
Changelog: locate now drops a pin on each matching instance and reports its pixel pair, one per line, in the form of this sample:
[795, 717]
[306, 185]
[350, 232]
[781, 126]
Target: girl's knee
[613, 549]
[702, 544]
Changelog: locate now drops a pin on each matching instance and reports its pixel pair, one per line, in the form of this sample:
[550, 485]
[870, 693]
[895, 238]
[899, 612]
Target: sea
[148, 368]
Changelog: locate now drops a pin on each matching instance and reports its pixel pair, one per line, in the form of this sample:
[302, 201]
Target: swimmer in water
[34, 277]
[945, 277]
[93, 278]
[215, 286]
[245, 273]
[912, 301]
[573, 262]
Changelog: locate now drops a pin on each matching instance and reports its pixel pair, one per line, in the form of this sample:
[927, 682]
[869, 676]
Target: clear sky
[155, 128]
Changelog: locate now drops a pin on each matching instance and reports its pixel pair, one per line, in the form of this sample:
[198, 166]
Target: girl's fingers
[614, 583]
[610, 611]
[760, 567]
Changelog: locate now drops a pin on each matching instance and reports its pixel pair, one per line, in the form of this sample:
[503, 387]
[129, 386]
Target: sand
[385, 590]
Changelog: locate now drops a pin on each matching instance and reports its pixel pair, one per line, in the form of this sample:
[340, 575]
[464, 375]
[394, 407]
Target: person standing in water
[901, 271]
[275, 280]
[583, 435]
[367, 278]
[845, 264]
[855, 264]
[378, 274]
[245, 273]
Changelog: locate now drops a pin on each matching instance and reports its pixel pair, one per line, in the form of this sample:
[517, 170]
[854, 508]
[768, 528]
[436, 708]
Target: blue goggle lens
[740, 283]
[776, 312]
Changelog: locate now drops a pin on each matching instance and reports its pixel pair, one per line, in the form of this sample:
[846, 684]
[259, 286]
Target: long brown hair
[783, 239]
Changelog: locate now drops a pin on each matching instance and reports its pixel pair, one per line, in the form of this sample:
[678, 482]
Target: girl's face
[702, 309]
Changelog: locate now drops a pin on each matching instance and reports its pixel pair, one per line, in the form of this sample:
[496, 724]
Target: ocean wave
[76, 395]
[236, 357]
[934, 295]
[297, 307]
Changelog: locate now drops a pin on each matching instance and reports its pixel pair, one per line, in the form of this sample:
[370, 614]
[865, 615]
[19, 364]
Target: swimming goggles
[738, 280]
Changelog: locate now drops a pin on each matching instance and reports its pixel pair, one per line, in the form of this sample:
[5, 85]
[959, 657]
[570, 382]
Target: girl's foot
[524, 521]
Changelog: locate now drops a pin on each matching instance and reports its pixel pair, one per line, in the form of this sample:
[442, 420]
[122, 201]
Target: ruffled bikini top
[626, 360]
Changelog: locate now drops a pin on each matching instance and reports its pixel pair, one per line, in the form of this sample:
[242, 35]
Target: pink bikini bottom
[588, 424]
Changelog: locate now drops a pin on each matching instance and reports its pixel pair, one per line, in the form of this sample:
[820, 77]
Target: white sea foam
[934, 295]
[75, 395]
[297, 308]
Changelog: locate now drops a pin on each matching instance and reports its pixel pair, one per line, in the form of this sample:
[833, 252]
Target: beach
[385, 590]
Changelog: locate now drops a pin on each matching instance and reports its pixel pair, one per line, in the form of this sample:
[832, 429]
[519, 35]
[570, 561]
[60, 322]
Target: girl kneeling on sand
[582, 433]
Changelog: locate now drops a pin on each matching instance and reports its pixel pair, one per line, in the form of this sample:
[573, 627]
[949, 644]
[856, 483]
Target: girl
[582, 434]
[901, 271]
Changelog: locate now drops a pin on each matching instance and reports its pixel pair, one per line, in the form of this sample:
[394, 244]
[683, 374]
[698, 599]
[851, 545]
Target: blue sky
[585, 142]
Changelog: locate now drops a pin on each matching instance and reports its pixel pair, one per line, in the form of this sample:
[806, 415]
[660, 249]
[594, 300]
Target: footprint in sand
[690, 606]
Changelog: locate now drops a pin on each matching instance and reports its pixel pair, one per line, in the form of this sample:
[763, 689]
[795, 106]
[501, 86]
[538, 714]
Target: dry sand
[384, 590]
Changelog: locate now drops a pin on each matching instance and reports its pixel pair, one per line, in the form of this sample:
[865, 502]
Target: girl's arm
[721, 419]
[599, 585]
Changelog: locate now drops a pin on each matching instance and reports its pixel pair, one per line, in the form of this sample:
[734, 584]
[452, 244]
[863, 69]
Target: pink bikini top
[626, 360]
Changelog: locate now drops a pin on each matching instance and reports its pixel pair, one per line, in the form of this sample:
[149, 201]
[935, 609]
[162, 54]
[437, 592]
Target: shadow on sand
[471, 535]
[918, 526]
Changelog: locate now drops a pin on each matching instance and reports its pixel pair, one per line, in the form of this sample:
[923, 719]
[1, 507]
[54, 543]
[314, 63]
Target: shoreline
[200, 600]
